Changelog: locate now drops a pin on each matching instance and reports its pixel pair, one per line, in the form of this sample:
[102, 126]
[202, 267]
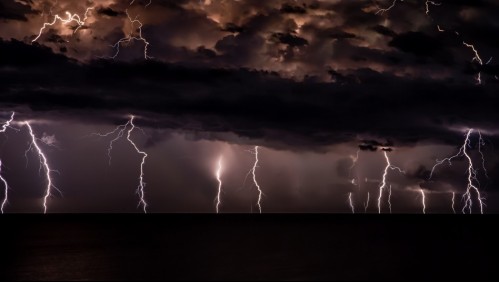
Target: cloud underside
[255, 104]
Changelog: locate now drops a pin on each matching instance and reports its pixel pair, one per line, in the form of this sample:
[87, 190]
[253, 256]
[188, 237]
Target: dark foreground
[248, 247]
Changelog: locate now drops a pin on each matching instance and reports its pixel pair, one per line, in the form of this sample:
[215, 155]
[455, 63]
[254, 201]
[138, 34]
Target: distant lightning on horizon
[44, 164]
[119, 131]
[3, 129]
[218, 175]
[383, 184]
[471, 172]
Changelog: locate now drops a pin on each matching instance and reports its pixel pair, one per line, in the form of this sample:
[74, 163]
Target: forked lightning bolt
[4, 127]
[383, 185]
[427, 3]
[218, 174]
[69, 18]
[43, 163]
[471, 172]
[120, 131]
[128, 39]
[381, 10]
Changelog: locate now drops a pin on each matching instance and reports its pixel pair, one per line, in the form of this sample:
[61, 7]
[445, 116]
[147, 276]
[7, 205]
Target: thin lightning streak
[44, 163]
[354, 163]
[390, 198]
[472, 175]
[427, 3]
[70, 18]
[477, 58]
[253, 171]
[453, 202]
[130, 37]
[218, 174]
[3, 129]
[150, 1]
[423, 200]
[6, 188]
[366, 205]
[383, 185]
[381, 10]
[140, 189]
[120, 131]
[350, 201]
[440, 29]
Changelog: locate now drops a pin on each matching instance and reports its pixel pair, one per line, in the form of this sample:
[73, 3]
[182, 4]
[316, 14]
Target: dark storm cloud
[13, 10]
[107, 11]
[253, 104]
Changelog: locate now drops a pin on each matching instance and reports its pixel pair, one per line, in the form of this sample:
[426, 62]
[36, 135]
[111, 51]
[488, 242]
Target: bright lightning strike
[475, 58]
[383, 185]
[128, 39]
[253, 171]
[4, 127]
[471, 171]
[69, 18]
[120, 131]
[350, 202]
[218, 174]
[423, 200]
[44, 164]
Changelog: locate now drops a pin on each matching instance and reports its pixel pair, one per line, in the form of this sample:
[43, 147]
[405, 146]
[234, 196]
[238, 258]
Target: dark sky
[308, 81]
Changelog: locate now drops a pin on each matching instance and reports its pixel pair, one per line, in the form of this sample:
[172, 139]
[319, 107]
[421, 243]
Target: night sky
[326, 89]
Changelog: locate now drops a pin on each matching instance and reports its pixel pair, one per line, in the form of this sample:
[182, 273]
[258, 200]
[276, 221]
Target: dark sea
[248, 247]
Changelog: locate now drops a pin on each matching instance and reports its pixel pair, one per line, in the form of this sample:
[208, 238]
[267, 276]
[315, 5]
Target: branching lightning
[383, 10]
[471, 171]
[383, 185]
[130, 37]
[43, 163]
[120, 131]
[350, 202]
[218, 174]
[69, 18]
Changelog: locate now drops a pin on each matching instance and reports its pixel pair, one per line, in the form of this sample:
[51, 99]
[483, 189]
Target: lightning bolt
[6, 188]
[366, 205]
[120, 131]
[43, 163]
[128, 39]
[3, 129]
[253, 171]
[383, 185]
[472, 174]
[69, 18]
[381, 10]
[427, 3]
[475, 58]
[218, 174]
[423, 200]
[350, 202]
[390, 198]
